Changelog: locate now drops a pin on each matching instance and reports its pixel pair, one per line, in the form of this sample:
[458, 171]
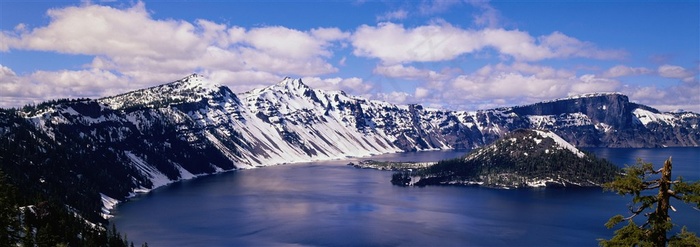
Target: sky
[457, 55]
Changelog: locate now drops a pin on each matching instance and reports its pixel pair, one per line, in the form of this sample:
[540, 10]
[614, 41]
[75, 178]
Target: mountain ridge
[162, 134]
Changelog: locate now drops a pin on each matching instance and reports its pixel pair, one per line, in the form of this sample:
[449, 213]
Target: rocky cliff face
[611, 120]
[191, 127]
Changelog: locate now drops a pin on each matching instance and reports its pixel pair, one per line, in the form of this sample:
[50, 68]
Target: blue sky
[465, 55]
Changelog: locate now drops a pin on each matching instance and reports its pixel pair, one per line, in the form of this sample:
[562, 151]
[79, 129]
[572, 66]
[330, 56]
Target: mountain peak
[533, 141]
[291, 83]
[190, 88]
[195, 80]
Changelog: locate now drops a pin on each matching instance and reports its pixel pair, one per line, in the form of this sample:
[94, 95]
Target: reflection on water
[329, 203]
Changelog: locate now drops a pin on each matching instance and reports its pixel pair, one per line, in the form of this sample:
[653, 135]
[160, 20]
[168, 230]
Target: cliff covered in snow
[139, 140]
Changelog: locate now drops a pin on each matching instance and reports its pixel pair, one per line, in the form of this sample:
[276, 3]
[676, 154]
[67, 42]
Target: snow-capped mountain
[192, 127]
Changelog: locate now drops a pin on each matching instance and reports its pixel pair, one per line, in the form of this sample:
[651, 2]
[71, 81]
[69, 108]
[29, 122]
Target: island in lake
[523, 158]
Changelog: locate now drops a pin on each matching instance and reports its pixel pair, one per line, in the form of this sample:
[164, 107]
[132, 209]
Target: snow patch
[647, 117]
[157, 178]
[108, 204]
[560, 142]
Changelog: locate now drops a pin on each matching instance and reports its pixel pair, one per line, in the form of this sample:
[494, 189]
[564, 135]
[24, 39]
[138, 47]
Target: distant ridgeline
[522, 158]
[88, 154]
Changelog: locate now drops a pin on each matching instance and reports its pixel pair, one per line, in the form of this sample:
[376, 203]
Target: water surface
[331, 204]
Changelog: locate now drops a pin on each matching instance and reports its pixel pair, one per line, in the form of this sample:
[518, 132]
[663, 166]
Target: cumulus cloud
[41, 85]
[139, 50]
[494, 85]
[242, 81]
[352, 85]
[684, 96]
[122, 37]
[514, 84]
[563, 46]
[131, 49]
[102, 30]
[284, 42]
[393, 43]
[508, 85]
[412, 73]
[622, 70]
[518, 83]
[421, 92]
[394, 97]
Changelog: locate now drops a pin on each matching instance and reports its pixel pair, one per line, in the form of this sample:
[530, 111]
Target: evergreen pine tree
[635, 181]
[9, 225]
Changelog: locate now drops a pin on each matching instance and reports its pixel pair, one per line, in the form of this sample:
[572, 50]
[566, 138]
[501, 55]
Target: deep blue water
[331, 204]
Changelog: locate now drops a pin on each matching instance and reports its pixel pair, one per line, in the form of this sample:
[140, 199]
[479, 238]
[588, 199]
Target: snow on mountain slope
[189, 89]
[522, 158]
[560, 142]
[646, 117]
[192, 127]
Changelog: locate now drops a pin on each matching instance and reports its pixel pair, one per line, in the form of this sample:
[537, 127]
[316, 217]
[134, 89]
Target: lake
[332, 204]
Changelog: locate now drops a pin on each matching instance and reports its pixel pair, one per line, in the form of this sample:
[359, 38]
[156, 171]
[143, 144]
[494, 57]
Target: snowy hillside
[192, 127]
[522, 158]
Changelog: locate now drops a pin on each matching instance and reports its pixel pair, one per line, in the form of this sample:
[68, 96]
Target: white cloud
[622, 70]
[42, 85]
[291, 43]
[393, 15]
[393, 43]
[102, 30]
[685, 96]
[515, 84]
[129, 44]
[352, 85]
[563, 46]
[489, 16]
[592, 84]
[672, 71]
[429, 7]
[394, 97]
[132, 38]
[519, 83]
[242, 81]
[411, 73]
[678, 72]
[329, 34]
[6, 72]
[421, 92]
[509, 85]
[131, 49]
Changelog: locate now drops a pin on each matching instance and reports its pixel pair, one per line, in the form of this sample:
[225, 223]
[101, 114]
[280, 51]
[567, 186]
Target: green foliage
[72, 171]
[33, 109]
[629, 235]
[401, 178]
[684, 238]
[514, 163]
[634, 181]
[8, 213]
[48, 223]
